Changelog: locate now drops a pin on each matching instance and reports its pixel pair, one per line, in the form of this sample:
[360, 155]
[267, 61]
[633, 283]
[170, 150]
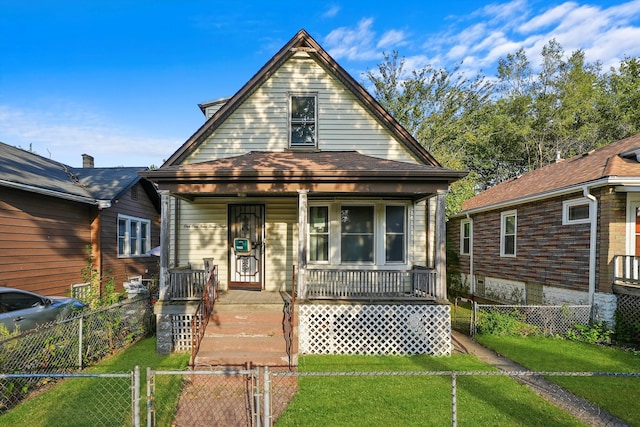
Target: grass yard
[616, 395]
[413, 400]
[74, 401]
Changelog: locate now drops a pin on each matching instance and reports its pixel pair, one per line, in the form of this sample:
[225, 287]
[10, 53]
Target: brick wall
[547, 252]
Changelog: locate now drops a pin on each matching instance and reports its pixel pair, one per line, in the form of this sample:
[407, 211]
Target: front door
[246, 247]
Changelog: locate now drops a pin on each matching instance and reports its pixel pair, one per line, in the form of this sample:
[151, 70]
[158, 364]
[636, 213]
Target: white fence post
[454, 402]
[136, 396]
[267, 397]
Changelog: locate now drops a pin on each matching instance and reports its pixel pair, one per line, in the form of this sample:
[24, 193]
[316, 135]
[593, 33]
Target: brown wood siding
[547, 252]
[42, 241]
[119, 269]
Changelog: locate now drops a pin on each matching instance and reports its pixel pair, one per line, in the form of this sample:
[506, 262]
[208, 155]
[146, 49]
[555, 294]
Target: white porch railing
[626, 269]
[370, 284]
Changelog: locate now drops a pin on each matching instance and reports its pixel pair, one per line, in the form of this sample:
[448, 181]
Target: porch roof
[316, 171]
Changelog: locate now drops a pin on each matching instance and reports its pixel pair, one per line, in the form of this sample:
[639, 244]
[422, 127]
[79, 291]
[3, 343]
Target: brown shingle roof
[598, 164]
[305, 164]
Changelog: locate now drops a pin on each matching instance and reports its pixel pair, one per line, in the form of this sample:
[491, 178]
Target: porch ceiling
[327, 172]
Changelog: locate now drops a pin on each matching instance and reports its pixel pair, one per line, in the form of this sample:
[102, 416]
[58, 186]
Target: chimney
[87, 161]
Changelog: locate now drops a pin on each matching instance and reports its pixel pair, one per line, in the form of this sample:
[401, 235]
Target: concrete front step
[244, 323]
[241, 333]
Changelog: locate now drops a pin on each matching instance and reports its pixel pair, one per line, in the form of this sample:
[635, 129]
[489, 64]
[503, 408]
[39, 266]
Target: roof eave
[50, 193]
[545, 195]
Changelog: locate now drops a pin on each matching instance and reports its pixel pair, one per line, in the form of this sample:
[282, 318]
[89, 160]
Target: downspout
[472, 279]
[592, 241]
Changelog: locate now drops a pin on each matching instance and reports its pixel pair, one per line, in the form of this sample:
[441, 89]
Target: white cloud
[480, 39]
[353, 44]
[391, 40]
[64, 134]
[331, 12]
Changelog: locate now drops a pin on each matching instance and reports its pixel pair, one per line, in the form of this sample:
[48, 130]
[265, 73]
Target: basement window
[576, 211]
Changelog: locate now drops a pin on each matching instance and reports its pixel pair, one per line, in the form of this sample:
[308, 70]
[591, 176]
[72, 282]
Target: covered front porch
[326, 227]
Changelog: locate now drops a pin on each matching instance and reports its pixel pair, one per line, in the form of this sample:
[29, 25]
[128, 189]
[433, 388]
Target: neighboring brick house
[50, 213]
[554, 235]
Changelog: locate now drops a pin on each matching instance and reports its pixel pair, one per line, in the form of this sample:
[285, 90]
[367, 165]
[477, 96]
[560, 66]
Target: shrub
[594, 333]
[495, 322]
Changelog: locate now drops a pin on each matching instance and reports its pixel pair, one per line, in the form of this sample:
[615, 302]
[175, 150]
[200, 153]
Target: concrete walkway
[576, 406]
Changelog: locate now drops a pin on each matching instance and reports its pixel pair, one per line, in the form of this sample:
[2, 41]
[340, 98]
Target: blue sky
[121, 80]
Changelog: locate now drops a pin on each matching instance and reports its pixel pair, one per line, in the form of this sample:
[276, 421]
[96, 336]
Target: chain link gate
[219, 396]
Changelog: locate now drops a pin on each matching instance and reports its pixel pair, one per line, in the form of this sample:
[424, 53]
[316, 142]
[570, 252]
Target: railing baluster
[352, 283]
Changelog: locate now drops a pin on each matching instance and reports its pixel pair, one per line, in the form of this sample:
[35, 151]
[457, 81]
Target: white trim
[127, 238]
[313, 95]
[568, 204]
[463, 237]
[633, 202]
[503, 217]
[379, 233]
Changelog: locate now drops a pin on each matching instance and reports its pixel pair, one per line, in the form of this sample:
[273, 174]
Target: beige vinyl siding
[281, 235]
[261, 122]
[418, 236]
[202, 232]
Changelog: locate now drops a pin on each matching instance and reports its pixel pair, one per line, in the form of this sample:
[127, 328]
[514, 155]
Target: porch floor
[246, 327]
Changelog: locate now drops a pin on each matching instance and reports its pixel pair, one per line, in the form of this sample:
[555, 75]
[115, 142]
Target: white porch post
[302, 243]
[440, 250]
[165, 221]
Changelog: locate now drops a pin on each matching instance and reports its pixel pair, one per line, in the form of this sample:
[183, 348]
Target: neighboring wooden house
[50, 213]
[302, 180]
[567, 233]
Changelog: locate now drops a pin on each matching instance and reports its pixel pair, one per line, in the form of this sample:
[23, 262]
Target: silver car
[23, 310]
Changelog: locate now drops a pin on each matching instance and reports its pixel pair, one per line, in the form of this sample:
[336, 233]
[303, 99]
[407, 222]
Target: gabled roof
[612, 164]
[27, 171]
[301, 41]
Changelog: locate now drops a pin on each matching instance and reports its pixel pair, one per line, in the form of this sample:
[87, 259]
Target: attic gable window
[302, 121]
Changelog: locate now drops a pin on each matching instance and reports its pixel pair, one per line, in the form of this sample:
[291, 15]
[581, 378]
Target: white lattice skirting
[181, 331]
[375, 329]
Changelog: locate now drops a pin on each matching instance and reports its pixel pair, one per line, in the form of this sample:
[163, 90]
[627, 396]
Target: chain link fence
[68, 346]
[77, 342]
[109, 399]
[264, 396]
[548, 319]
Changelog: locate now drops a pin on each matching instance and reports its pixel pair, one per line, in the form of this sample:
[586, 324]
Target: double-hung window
[374, 234]
[302, 121]
[134, 236]
[395, 233]
[465, 237]
[319, 233]
[508, 233]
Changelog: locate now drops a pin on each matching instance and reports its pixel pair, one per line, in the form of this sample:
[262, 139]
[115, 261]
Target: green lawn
[76, 401]
[413, 400]
[400, 400]
[617, 395]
